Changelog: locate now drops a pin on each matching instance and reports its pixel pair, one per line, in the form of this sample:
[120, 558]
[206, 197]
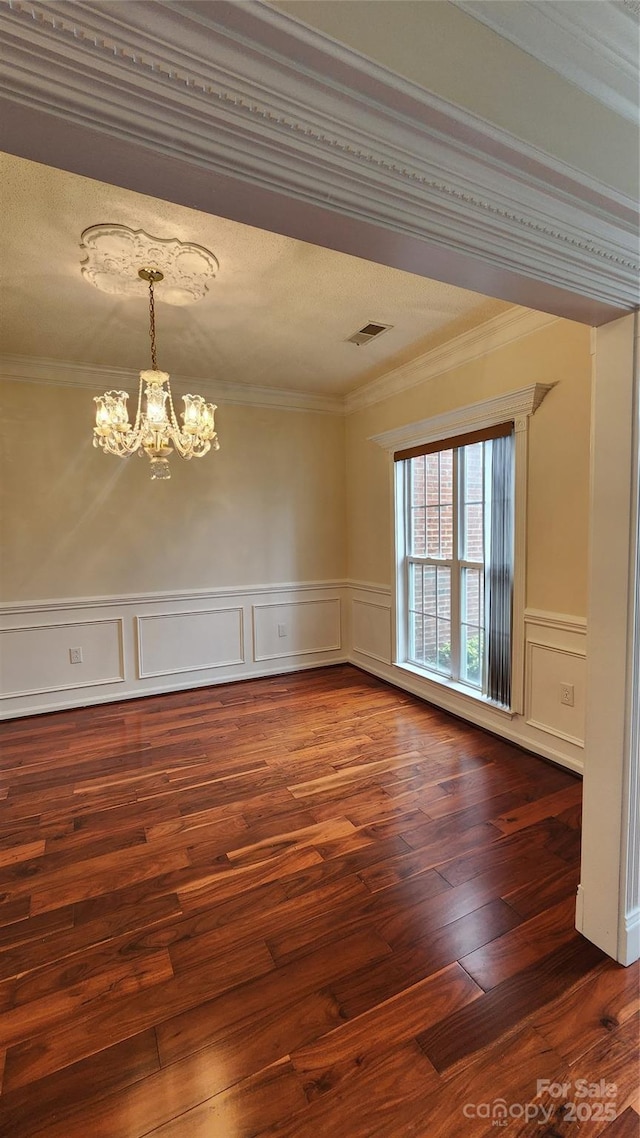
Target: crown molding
[58, 373]
[496, 333]
[594, 46]
[243, 91]
[463, 349]
[517, 405]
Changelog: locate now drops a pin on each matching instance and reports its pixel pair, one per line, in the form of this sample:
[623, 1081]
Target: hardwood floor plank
[626, 1125]
[422, 958]
[499, 1010]
[109, 1021]
[536, 895]
[125, 935]
[79, 1087]
[215, 1019]
[396, 1020]
[189, 1095]
[613, 1060]
[217, 885]
[25, 929]
[515, 950]
[428, 855]
[462, 1107]
[273, 908]
[26, 1018]
[81, 880]
[361, 1097]
[548, 807]
[288, 840]
[581, 1018]
[236, 1050]
[241, 1109]
[202, 936]
[358, 913]
[16, 854]
[524, 847]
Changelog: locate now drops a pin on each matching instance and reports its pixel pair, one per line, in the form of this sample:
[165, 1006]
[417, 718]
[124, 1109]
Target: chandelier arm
[172, 411]
[138, 418]
[188, 447]
[123, 445]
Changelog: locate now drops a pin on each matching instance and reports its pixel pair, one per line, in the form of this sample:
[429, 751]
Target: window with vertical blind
[456, 539]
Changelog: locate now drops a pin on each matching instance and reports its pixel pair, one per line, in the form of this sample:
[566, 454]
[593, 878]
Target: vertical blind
[499, 573]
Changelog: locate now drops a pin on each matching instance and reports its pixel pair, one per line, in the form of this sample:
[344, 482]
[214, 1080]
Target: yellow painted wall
[558, 461]
[268, 508]
[272, 506]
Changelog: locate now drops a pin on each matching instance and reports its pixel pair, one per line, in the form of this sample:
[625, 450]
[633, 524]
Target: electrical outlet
[282, 630]
[75, 655]
[566, 694]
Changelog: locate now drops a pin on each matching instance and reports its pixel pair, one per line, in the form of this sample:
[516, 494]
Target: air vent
[369, 332]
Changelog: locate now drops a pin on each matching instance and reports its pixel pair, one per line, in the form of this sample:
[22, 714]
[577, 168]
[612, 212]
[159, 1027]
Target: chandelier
[156, 431]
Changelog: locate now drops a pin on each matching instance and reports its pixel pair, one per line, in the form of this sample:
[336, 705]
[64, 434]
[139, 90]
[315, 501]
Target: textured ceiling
[277, 315]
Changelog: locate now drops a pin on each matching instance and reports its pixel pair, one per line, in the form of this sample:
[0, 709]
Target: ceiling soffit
[246, 93]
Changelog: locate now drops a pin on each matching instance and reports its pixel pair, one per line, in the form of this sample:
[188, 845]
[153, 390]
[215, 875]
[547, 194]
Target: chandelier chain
[152, 326]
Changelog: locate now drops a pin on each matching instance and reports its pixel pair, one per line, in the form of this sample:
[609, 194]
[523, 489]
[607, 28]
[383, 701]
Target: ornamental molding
[562, 622]
[27, 369]
[512, 405]
[115, 253]
[247, 92]
[501, 330]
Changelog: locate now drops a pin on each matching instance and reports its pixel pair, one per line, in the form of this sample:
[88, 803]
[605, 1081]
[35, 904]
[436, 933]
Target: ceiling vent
[369, 332]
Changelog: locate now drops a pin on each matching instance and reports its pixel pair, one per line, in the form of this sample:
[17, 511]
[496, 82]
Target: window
[457, 560]
[504, 554]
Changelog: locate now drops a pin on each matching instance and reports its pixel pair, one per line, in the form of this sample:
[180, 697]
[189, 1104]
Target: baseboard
[73, 701]
[629, 949]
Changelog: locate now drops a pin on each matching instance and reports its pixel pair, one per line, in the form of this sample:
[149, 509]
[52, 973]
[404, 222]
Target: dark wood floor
[298, 907]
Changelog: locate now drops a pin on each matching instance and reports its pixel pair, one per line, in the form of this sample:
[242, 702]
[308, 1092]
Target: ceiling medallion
[115, 254]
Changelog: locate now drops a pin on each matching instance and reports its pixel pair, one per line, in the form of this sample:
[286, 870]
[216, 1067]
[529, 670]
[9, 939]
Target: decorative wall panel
[371, 629]
[296, 628]
[169, 643]
[37, 659]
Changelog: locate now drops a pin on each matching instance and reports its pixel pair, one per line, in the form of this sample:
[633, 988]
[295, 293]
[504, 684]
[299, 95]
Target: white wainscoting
[151, 643]
[555, 654]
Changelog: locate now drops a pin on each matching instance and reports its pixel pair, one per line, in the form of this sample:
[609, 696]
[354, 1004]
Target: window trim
[517, 407]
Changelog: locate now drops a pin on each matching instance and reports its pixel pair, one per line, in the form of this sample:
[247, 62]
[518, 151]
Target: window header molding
[516, 406]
